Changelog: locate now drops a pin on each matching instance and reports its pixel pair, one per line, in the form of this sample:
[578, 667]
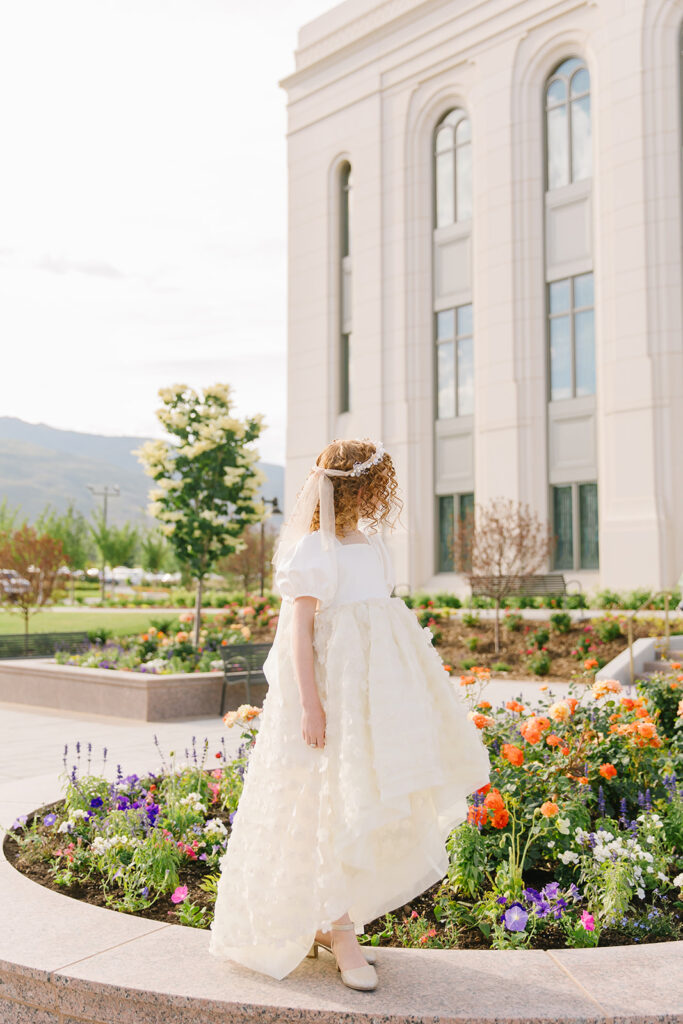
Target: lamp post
[276, 511]
[105, 492]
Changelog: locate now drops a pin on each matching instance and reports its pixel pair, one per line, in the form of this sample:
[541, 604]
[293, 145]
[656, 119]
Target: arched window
[568, 124]
[345, 287]
[453, 169]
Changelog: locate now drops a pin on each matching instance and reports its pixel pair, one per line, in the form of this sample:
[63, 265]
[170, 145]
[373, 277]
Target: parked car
[11, 583]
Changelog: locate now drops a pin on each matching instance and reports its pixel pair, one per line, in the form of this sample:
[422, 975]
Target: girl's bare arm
[312, 712]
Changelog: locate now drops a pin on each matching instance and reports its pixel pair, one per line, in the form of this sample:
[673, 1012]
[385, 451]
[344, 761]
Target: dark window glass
[466, 516]
[344, 376]
[446, 532]
[588, 525]
[562, 527]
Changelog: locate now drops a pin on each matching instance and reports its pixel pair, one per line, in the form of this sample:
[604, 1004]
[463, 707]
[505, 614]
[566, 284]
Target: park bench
[41, 645]
[243, 663]
[551, 584]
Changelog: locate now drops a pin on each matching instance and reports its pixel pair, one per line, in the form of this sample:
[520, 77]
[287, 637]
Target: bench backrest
[41, 645]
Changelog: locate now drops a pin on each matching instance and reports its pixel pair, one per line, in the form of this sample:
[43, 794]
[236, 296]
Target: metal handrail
[667, 595]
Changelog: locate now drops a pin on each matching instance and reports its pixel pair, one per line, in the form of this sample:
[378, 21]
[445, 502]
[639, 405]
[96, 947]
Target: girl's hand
[313, 725]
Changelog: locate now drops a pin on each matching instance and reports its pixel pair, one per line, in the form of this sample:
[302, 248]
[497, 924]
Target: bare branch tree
[500, 545]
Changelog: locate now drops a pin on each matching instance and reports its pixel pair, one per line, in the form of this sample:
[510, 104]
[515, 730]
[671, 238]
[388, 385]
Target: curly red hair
[371, 496]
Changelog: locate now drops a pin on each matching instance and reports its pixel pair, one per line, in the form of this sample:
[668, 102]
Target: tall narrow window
[455, 553]
[454, 362]
[575, 524]
[345, 278]
[571, 337]
[568, 124]
[453, 169]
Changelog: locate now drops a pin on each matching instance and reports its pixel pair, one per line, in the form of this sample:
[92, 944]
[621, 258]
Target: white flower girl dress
[359, 825]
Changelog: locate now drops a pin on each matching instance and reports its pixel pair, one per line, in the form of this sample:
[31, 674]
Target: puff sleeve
[309, 570]
[387, 560]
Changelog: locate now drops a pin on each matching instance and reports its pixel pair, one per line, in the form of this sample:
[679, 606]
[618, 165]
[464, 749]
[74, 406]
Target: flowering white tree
[206, 478]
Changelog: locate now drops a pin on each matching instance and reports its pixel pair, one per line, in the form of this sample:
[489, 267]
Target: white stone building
[485, 268]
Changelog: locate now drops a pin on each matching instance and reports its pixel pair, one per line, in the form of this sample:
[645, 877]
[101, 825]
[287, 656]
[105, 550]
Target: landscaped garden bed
[555, 648]
[576, 841]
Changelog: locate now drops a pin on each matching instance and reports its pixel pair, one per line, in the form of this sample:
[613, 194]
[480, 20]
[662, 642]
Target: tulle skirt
[361, 825]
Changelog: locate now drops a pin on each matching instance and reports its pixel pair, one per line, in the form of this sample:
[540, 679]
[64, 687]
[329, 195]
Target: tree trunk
[496, 630]
[198, 611]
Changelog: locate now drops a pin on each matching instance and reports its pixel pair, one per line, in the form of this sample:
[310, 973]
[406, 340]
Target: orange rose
[514, 705]
[572, 702]
[646, 729]
[607, 770]
[500, 819]
[494, 800]
[477, 816]
[552, 740]
[484, 789]
[481, 721]
[515, 755]
[467, 680]
[676, 665]
[484, 704]
[590, 663]
[641, 713]
[549, 809]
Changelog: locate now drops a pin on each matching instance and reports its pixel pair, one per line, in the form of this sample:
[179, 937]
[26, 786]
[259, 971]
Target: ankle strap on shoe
[344, 927]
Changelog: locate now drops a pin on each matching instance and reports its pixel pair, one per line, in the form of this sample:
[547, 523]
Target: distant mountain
[41, 465]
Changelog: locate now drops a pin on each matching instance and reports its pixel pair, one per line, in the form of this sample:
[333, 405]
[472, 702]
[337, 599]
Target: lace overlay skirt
[360, 825]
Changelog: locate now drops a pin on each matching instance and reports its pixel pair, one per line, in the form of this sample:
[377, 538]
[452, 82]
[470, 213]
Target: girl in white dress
[365, 754]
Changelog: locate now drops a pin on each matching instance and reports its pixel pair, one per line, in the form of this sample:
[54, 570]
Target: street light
[276, 511]
[105, 492]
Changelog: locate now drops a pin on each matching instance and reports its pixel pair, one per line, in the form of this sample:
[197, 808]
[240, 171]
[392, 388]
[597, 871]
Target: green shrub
[513, 622]
[472, 643]
[539, 664]
[447, 600]
[561, 622]
[501, 666]
[470, 620]
[576, 601]
[468, 663]
[541, 637]
[99, 635]
[607, 629]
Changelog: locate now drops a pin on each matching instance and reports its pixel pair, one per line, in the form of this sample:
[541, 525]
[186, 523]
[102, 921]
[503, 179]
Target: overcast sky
[143, 207]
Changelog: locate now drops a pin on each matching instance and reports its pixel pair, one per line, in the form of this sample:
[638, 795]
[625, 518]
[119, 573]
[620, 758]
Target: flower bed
[166, 648]
[556, 648]
[576, 841]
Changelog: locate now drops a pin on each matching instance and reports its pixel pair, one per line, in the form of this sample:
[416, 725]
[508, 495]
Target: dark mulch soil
[514, 646]
[193, 872]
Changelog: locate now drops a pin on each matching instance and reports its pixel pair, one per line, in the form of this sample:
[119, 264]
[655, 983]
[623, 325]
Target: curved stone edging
[63, 960]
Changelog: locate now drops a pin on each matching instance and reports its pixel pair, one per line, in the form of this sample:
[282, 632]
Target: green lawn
[49, 621]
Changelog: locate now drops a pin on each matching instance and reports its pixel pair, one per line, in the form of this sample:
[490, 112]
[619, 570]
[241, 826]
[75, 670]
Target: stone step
[658, 666]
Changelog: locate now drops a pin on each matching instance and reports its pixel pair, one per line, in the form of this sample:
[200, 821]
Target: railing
[667, 595]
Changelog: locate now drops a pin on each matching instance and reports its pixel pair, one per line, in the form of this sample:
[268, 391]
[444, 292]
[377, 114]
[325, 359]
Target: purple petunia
[515, 918]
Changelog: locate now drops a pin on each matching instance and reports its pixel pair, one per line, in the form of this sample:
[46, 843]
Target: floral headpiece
[318, 488]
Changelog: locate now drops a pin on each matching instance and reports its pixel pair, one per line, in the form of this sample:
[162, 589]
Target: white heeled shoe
[368, 952]
[362, 978]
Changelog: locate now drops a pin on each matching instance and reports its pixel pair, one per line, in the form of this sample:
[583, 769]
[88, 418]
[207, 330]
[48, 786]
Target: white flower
[678, 880]
[562, 825]
[569, 857]
[550, 844]
[640, 893]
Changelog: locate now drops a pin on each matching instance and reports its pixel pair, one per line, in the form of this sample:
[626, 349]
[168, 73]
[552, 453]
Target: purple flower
[49, 819]
[502, 899]
[96, 801]
[515, 918]
[551, 890]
